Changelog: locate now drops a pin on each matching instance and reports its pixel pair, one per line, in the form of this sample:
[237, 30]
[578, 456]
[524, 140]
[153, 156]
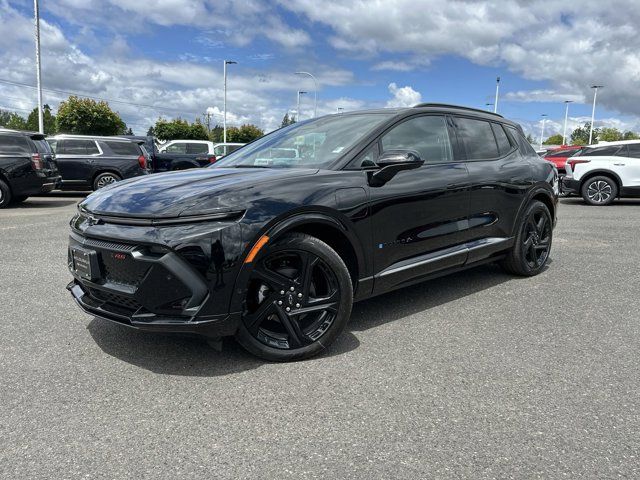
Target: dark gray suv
[88, 162]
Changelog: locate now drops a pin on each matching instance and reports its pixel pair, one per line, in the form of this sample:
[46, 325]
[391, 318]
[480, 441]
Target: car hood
[188, 192]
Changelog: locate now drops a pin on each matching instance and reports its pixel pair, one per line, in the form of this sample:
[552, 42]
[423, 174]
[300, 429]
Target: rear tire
[5, 194]
[599, 191]
[532, 246]
[298, 300]
[104, 179]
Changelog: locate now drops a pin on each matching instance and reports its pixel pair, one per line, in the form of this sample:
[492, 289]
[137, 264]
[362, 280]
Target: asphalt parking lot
[477, 375]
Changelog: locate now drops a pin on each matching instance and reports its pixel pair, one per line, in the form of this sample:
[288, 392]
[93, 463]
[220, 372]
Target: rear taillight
[572, 163]
[212, 159]
[36, 161]
[142, 161]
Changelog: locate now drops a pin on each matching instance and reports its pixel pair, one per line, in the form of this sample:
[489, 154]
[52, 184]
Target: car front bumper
[153, 279]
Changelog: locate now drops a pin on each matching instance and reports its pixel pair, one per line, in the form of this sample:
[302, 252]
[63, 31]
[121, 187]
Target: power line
[124, 102]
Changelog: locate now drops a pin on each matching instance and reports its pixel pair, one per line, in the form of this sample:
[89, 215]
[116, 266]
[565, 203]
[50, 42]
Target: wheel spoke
[305, 274]
[540, 224]
[275, 280]
[296, 337]
[253, 320]
[317, 307]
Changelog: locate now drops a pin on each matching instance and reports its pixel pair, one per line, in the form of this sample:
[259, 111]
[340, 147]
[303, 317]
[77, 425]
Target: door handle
[619, 164]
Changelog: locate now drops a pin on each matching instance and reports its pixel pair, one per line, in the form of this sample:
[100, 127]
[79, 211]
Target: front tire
[532, 246]
[298, 300]
[104, 179]
[5, 194]
[600, 190]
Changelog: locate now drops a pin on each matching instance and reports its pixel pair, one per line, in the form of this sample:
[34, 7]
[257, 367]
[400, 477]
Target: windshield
[312, 144]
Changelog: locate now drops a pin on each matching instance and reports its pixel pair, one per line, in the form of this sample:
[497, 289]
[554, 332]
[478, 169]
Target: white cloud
[542, 96]
[403, 96]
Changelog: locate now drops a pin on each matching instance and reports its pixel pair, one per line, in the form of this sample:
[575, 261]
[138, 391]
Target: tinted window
[219, 150]
[523, 143]
[427, 135]
[232, 148]
[634, 150]
[602, 151]
[124, 148]
[177, 148]
[14, 144]
[501, 137]
[559, 153]
[77, 147]
[478, 139]
[42, 146]
[197, 148]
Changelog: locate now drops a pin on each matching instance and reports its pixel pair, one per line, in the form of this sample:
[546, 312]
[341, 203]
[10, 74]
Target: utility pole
[315, 92]
[224, 118]
[207, 121]
[593, 111]
[36, 9]
[544, 118]
[566, 115]
[495, 104]
[298, 107]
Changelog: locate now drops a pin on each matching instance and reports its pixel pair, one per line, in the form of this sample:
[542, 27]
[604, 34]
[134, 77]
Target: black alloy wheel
[298, 300]
[532, 246]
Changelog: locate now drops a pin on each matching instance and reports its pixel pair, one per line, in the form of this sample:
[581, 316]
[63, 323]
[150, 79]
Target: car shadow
[192, 356]
[425, 296]
[38, 202]
[618, 202]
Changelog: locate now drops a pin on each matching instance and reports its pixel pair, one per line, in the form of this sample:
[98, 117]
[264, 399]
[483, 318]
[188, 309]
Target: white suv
[603, 172]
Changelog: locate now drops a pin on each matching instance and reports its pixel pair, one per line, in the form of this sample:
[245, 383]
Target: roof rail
[459, 107]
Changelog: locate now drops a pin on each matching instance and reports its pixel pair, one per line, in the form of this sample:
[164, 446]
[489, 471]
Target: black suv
[274, 243]
[27, 166]
[92, 162]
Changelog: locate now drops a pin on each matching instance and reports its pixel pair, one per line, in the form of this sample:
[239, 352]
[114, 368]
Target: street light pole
[544, 118]
[36, 9]
[495, 104]
[298, 106]
[566, 115]
[593, 111]
[224, 117]
[315, 92]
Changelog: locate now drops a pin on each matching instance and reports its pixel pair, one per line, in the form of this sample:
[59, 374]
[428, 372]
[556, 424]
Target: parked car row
[31, 164]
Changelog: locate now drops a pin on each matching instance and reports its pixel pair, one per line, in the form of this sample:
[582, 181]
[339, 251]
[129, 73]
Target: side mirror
[391, 162]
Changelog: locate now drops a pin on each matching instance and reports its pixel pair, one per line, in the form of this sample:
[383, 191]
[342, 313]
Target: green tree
[216, 134]
[530, 138]
[608, 134]
[16, 122]
[287, 120]
[151, 132]
[85, 116]
[5, 116]
[553, 140]
[245, 134]
[179, 129]
[629, 135]
[580, 136]
[49, 120]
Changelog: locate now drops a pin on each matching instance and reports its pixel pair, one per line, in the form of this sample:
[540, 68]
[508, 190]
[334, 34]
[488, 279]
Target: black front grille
[120, 247]
[114, 299]
[122, 268]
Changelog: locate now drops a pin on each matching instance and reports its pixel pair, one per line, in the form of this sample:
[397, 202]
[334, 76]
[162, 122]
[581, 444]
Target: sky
[164, 58]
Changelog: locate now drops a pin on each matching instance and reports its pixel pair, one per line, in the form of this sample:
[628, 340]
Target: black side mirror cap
[393, 161]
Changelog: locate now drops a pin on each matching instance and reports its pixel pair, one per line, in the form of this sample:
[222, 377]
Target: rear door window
[124, 148]
[77, 147]
[477, 138]
[177, 148]
[504, 146]
[634, 150]
[197, 148]
[14, 144]
[603, 151]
